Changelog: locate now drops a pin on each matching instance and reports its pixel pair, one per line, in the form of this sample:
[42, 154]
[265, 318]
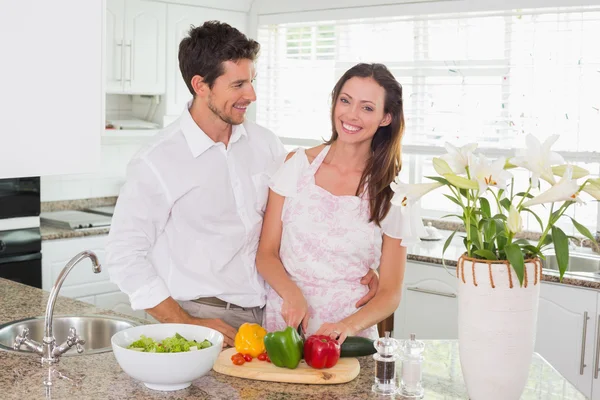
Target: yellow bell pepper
[249, 339]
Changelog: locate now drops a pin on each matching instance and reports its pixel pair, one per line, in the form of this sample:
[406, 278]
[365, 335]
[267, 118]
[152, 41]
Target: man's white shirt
[189, 216]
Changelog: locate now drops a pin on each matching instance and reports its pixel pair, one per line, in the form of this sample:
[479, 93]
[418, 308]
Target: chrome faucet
[48, 349]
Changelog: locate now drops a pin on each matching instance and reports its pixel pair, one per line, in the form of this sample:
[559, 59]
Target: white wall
[115, 154]
[105, 183]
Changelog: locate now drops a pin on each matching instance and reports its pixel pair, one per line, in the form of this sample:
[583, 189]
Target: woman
[329, 217]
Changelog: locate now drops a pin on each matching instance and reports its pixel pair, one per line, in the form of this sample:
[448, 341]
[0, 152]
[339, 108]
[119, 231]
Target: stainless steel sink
[578, 263]
[96, 330]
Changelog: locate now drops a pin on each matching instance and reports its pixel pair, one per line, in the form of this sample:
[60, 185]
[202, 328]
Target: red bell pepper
[321, 351]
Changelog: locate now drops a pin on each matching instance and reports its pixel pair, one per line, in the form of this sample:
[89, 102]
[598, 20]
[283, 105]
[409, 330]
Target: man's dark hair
[206, 47]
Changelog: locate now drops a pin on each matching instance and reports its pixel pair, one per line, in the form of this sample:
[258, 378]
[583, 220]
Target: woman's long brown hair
[385, 161]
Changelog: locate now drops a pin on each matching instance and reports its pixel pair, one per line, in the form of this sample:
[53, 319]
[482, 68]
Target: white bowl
[166, 371]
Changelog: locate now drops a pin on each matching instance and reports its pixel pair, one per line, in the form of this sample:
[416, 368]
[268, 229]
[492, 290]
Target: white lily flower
[565, 189]
[593, 188]
[538, 159]
[578, 172]
[488, 172]
[406, 193]
[441, 166]
[458, 157]
[515, 222]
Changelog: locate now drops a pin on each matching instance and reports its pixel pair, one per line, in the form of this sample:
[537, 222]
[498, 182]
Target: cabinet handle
[418, 289]
[583, 338]
[120, 78]
[130, 62]
[596, 361]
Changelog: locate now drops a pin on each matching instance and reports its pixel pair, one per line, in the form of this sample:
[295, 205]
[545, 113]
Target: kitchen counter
[53, 233]
[100, 377]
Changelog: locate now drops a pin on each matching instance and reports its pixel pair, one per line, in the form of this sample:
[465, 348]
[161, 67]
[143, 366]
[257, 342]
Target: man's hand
[372, 280]
[169, 311]
[228, 331]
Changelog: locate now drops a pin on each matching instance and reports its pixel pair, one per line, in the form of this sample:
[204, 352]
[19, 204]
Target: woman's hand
[294, 310]
[338, 330]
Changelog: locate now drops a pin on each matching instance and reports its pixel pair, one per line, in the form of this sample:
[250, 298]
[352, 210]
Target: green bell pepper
[284, 348]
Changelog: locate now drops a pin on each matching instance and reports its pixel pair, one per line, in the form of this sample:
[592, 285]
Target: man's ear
[200, 87]
[387, 119]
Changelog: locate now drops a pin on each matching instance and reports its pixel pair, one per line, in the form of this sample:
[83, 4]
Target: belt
[215, 302]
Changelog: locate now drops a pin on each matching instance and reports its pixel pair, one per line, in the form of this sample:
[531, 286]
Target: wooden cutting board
[344, 371]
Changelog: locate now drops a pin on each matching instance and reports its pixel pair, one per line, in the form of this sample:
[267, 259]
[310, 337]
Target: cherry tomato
[239, 361]
[237, 355]
[262, 357]
[247, 357]
[268, 359]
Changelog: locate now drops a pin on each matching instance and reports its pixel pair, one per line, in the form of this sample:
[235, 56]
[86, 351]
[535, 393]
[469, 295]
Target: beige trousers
[233, 316]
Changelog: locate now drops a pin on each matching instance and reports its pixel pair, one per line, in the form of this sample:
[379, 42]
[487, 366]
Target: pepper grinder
[411, 386]
[385, 365]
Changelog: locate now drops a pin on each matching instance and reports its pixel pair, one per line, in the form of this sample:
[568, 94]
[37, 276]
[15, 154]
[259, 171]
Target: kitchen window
[485, 77]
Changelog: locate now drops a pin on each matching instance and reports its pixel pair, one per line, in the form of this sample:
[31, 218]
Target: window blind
[489, 77]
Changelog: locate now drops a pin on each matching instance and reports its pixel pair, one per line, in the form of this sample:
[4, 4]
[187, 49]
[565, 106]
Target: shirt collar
[197, 140]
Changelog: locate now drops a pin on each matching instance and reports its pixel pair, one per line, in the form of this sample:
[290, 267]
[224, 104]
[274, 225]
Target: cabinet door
[118, 302]
[429, 306]
[144, 47]
[114, 43]
[596, 352]
[52, 66]
[565, 332]
[81, 281]
[180, 19]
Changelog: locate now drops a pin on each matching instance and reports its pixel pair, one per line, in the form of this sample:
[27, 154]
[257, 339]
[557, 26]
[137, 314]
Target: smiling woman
[329, 220]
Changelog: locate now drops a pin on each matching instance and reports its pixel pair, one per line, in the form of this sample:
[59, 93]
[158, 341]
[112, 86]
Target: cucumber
[357, 346]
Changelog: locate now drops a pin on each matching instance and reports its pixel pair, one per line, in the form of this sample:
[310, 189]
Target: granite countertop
[99, 376]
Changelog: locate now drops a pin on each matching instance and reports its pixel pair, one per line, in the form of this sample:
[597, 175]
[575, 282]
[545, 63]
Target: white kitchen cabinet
[81, 283]
[429, 306]
[135, 46]
[51, 68]
[595, 370]
[179, 20]
[566, 330]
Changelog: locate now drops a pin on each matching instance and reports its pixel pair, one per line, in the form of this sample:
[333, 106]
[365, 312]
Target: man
[185, 231]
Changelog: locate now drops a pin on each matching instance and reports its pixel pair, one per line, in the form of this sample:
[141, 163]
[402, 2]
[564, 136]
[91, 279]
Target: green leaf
[500, 216]
[446, 244]
[583, 230]
[561, 249]
[486, 254]
[475, 238]
[485, 207]
[521, 242]
[490, 231]
[515, 257]
[533, 250]
[555, 215]
[525, 194]
[461, 182]
[452, 199]
[452, 215]
[539, 220]
[438, 179]
[501, 238]
[505, 203]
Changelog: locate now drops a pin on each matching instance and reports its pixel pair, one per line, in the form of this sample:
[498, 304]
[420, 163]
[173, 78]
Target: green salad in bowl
[173, 344]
